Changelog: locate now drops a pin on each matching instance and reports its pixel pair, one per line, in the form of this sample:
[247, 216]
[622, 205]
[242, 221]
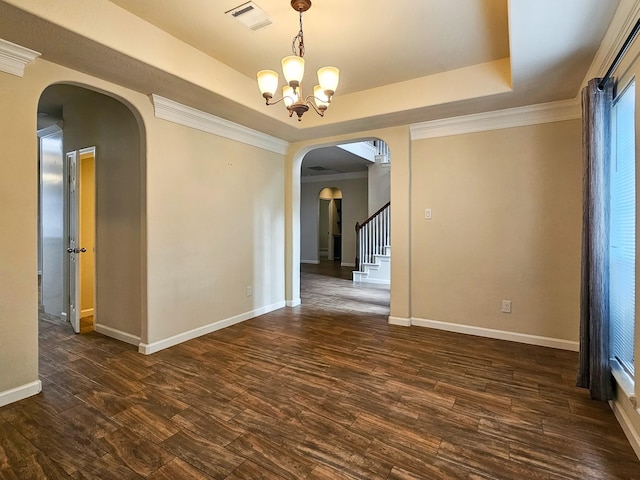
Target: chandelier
[293, 69]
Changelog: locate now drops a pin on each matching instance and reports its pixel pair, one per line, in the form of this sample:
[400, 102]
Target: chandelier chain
[299, 38]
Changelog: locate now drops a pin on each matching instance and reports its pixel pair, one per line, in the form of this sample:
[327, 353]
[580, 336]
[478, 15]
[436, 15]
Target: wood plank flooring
[330, 286]
[325, 390]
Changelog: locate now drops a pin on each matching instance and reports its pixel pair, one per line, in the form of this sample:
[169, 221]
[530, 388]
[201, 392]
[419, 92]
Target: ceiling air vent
[250, 15]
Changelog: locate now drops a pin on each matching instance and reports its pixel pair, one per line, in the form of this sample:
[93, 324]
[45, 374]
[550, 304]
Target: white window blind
[622, 241]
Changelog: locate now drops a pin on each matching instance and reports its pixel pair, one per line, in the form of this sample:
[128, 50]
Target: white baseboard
[86, 312]
[312, 262]
[627, 426]
[117, 334]
[149, 348]
[401, 321]
[19, 393]
[294, 303]
[347, 264]
[498, 334]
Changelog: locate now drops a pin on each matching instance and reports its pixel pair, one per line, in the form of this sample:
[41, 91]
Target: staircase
[373, 248]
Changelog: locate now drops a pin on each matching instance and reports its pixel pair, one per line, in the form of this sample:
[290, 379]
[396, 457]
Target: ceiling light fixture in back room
[293, 69]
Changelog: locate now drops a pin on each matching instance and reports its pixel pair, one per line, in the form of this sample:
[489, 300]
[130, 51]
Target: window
[622, 230]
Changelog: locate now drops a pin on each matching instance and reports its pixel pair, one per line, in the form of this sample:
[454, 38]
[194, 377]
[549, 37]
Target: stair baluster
[373, 236]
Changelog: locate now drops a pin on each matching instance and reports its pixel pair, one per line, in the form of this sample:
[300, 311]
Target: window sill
[624, 381]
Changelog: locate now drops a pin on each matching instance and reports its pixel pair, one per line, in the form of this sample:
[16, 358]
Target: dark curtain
[595, 370]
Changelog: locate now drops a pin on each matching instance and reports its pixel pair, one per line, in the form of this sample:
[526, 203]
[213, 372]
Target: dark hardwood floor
[319, 391]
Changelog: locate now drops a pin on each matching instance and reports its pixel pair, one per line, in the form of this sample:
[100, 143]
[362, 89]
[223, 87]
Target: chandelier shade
[328, 78]
[268, 83]
[321, 99]
[293, 70]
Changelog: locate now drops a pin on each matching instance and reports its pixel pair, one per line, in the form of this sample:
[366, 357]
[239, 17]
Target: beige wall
[506, 208]
[18, 227]
[215, 226]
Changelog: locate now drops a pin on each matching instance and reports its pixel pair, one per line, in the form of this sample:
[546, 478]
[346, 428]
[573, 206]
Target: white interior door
[72, 250]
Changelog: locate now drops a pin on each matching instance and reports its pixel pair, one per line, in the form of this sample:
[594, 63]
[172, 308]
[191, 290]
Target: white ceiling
[401, 61]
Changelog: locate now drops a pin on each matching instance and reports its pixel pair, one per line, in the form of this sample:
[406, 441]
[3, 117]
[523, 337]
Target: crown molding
[13, 58]
[623, 21]
[175, 112]
[334, 177]
[499, 119]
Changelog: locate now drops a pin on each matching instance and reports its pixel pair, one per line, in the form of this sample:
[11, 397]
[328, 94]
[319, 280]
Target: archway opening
[340, 186]
[106, 137]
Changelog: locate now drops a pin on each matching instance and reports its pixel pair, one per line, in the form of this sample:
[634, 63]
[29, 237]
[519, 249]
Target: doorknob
[69, 250]
[81, 250]
[76, 250]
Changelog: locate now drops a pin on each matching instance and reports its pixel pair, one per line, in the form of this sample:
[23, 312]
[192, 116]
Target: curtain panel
[594, 368]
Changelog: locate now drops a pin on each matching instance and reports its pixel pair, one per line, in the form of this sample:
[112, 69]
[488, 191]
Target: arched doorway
[115, 134]
[338, 190]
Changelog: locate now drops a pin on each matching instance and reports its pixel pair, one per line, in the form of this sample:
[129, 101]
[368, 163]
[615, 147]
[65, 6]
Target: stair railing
[373, 235]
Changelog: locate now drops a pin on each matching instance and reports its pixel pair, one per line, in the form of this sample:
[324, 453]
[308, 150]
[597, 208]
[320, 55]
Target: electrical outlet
[249, 290]
[506, 306]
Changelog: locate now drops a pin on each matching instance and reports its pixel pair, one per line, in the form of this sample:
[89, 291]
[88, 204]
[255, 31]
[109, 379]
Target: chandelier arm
[319, 99]
[309, 102]
[278, 101]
